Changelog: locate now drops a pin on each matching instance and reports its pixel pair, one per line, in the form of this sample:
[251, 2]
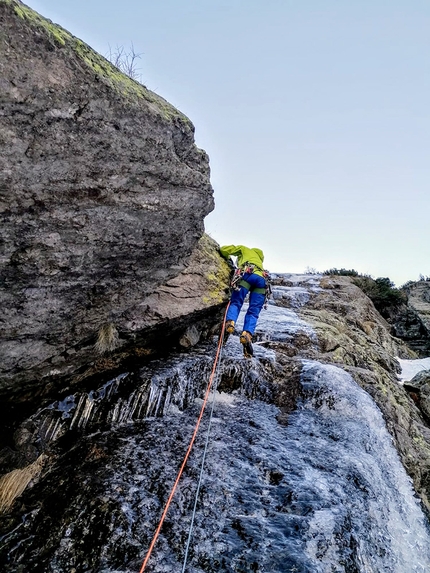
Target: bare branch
[125, 60]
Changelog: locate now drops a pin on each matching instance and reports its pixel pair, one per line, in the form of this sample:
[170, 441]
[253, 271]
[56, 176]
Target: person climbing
[249, 277]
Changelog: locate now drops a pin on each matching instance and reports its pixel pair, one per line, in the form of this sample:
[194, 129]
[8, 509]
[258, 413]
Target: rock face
[411, 322]
[419, 387]
[102, 199]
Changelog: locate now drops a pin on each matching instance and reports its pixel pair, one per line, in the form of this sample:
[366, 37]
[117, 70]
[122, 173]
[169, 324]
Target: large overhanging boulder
[102, 197]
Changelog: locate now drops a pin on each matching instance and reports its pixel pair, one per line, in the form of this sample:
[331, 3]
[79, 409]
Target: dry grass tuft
[107, 339]
[14, 483]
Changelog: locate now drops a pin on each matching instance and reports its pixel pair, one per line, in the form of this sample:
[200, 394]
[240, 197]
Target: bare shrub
[125, 60]
[311, 271]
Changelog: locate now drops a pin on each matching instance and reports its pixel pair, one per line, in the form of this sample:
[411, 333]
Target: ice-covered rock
[301, 471]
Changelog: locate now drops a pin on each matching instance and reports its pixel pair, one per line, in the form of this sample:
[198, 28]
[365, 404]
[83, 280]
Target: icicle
[159, 401]
[167, 401]
[76, 415]
[86, 413]
[114, 415]
[137, 395]
[153, 397]
[52, 434]
[143, 397]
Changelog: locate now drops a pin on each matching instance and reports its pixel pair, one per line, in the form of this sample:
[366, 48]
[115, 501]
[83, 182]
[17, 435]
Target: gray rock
[424, 402]
[190, 337]
[102, 198]
[411, 322]
[420, 386]
[421, 378]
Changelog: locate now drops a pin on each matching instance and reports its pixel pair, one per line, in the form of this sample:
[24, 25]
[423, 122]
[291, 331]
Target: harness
[248, 268]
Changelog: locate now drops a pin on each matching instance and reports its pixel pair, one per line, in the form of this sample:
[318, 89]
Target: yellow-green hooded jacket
[245, 255]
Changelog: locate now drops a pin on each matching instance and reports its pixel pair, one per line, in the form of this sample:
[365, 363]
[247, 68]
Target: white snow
[412, 367]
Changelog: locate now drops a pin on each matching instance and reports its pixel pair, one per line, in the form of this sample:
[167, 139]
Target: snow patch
[411, 367]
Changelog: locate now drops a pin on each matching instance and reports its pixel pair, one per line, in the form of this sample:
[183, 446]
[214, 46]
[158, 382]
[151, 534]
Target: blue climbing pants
[256, 301]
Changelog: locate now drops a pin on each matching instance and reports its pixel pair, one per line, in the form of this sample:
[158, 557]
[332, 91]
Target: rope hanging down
[215, 386]
[187, 455]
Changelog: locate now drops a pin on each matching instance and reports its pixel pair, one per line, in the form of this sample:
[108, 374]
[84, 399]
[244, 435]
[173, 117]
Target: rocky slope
[102, 199]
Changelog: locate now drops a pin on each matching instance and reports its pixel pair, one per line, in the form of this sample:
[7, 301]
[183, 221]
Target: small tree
[125, 60]
[382, 292]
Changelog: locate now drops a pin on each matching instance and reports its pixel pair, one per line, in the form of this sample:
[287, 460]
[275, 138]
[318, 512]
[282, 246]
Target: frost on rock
[310, 281]
[294, 291]
[294, 296]
[280, 324]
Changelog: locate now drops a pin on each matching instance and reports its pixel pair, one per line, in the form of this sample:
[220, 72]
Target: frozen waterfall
[326, 493]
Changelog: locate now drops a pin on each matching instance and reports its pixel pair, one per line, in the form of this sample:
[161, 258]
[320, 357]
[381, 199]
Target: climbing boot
[229, 329]
[246, 340]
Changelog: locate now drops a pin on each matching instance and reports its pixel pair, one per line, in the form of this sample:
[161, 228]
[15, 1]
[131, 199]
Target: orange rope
[172, 493]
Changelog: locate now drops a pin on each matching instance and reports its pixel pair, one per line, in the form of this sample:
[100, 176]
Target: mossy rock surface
[104, 70]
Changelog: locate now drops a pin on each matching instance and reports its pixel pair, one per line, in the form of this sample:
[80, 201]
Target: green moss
[218, 274]
[216, 294]
[107, 72]
[420, 441]
[55, 32]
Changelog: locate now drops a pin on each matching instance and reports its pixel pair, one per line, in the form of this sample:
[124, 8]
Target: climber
[249, 277]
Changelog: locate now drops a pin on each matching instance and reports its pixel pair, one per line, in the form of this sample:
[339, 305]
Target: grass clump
[107, 339]
[14, 483]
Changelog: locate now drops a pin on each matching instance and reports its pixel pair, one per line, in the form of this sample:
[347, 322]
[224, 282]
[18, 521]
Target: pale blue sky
[314, 113]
